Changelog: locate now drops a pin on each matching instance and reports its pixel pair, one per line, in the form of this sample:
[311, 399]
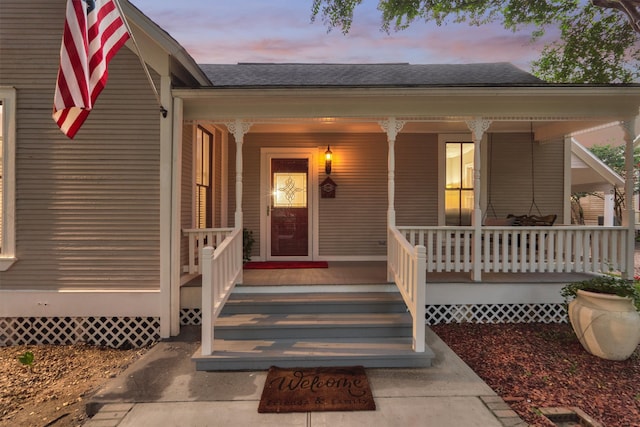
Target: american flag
[94, 30]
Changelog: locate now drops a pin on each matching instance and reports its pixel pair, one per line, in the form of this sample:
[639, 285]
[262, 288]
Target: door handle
[268, 208]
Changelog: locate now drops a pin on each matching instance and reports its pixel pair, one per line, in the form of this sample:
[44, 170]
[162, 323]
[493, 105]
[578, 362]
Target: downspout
[628, 219]
[478, 126]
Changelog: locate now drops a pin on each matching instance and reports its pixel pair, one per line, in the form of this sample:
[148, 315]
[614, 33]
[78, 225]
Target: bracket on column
[238, 128]
[392, 127]
[478, 126]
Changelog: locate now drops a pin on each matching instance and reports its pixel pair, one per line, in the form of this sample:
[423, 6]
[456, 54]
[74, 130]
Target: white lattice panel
[190, 316]
[113, 332]
[496, 313]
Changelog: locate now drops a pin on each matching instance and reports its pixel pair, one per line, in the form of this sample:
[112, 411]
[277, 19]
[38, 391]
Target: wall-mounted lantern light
[327, 160]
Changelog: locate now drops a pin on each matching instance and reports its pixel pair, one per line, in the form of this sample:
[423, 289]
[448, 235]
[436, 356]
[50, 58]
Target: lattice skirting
[190, 316]
[113, 332]
[496, 313]
[458, 313]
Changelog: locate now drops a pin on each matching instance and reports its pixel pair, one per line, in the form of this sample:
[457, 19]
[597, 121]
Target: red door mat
[316, 389]
[285, 265]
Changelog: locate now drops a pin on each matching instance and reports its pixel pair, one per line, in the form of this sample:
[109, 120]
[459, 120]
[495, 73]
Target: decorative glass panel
[290, 190]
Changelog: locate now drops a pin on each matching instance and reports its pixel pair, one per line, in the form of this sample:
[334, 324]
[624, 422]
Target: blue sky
[228, 32]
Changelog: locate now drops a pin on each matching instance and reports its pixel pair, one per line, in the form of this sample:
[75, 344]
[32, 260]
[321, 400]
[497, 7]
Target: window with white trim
[7, 177]
[458, 200]
[204, 150]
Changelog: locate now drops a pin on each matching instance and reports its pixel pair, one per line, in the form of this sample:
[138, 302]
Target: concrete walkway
[163, 389]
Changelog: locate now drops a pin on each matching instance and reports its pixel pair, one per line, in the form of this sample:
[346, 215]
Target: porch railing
[523, 249]
[199, 238]
[407, 263]
[221, 270]
[447, 248]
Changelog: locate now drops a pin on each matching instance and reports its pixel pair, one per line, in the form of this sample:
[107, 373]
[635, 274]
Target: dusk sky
[228, 32]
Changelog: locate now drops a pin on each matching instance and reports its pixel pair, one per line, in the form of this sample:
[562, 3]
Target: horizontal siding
[217, 171]
[416, 179]
[355, 221]
[87, 210]
[186, 197]
[511, 173]
[592, 207]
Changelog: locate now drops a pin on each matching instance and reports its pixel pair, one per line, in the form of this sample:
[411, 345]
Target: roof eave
[166, 42]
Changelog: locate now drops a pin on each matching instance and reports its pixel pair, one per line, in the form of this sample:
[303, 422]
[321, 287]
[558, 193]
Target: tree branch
[629, 7]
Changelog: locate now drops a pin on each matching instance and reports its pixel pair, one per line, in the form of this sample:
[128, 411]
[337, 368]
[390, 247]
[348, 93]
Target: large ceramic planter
[608, 326]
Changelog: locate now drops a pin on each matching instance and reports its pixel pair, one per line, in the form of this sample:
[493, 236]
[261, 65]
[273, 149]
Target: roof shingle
[367, 75]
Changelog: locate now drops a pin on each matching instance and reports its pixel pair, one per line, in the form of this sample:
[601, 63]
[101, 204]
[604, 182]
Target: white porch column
[609, 207]
[392, 127]
[628, 218]
[166, 208]
[478, 126]
[238, 128]
[176, 193]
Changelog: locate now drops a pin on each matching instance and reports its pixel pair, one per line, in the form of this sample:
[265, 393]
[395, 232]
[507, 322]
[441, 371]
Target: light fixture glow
[328, 157]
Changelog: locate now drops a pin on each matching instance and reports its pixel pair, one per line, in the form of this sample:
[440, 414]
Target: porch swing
[526, 220]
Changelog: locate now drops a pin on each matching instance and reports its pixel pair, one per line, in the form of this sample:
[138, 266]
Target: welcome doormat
[285, 264]
[316, 389]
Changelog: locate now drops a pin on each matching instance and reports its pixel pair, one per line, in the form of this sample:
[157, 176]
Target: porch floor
[374, 273]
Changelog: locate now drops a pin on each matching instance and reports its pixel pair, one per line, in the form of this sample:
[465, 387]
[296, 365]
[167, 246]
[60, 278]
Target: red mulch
[543, 365]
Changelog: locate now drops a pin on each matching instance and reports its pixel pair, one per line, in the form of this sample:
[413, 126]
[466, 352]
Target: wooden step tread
[261, 354]
[314, 298]
[253, 320]
[326, 347]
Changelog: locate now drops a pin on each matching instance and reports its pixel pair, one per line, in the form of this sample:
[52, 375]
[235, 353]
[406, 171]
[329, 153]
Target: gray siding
[186, 197]
[354, 222]
[416, 179]
[511, 174]
[351, 224]
[217, 178]
[87, 210]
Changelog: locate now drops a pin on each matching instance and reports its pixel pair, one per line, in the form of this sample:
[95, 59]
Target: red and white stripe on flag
[94, 30]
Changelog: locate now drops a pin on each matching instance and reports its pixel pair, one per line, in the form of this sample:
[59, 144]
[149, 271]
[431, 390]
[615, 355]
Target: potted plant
[605, 315]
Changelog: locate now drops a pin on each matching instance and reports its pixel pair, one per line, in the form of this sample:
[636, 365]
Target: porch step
[313, 325]
[256, 331]
[316, 302]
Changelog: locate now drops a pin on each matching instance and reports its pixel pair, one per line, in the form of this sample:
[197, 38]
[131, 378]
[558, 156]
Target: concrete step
[291, 353]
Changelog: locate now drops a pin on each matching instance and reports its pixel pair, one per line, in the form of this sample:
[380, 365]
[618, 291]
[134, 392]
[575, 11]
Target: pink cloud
[280, 31]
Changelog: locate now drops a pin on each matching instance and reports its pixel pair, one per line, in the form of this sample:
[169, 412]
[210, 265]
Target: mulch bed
[533, 366]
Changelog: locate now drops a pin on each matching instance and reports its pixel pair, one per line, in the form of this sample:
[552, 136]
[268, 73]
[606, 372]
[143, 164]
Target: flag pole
[144, 64]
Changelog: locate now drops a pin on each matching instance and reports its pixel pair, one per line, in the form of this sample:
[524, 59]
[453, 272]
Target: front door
[289, 219]
[289, 216]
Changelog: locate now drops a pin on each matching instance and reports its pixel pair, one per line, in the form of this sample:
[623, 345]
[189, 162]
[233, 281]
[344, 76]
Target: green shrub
[605, 285]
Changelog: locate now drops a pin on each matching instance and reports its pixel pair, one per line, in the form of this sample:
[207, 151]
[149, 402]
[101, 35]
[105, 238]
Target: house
[101, 235]
[599, 182]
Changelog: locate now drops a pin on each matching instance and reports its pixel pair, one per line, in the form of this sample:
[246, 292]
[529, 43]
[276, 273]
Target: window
[458, 183]
[204, 149]
[290, 190]
[7, 177]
